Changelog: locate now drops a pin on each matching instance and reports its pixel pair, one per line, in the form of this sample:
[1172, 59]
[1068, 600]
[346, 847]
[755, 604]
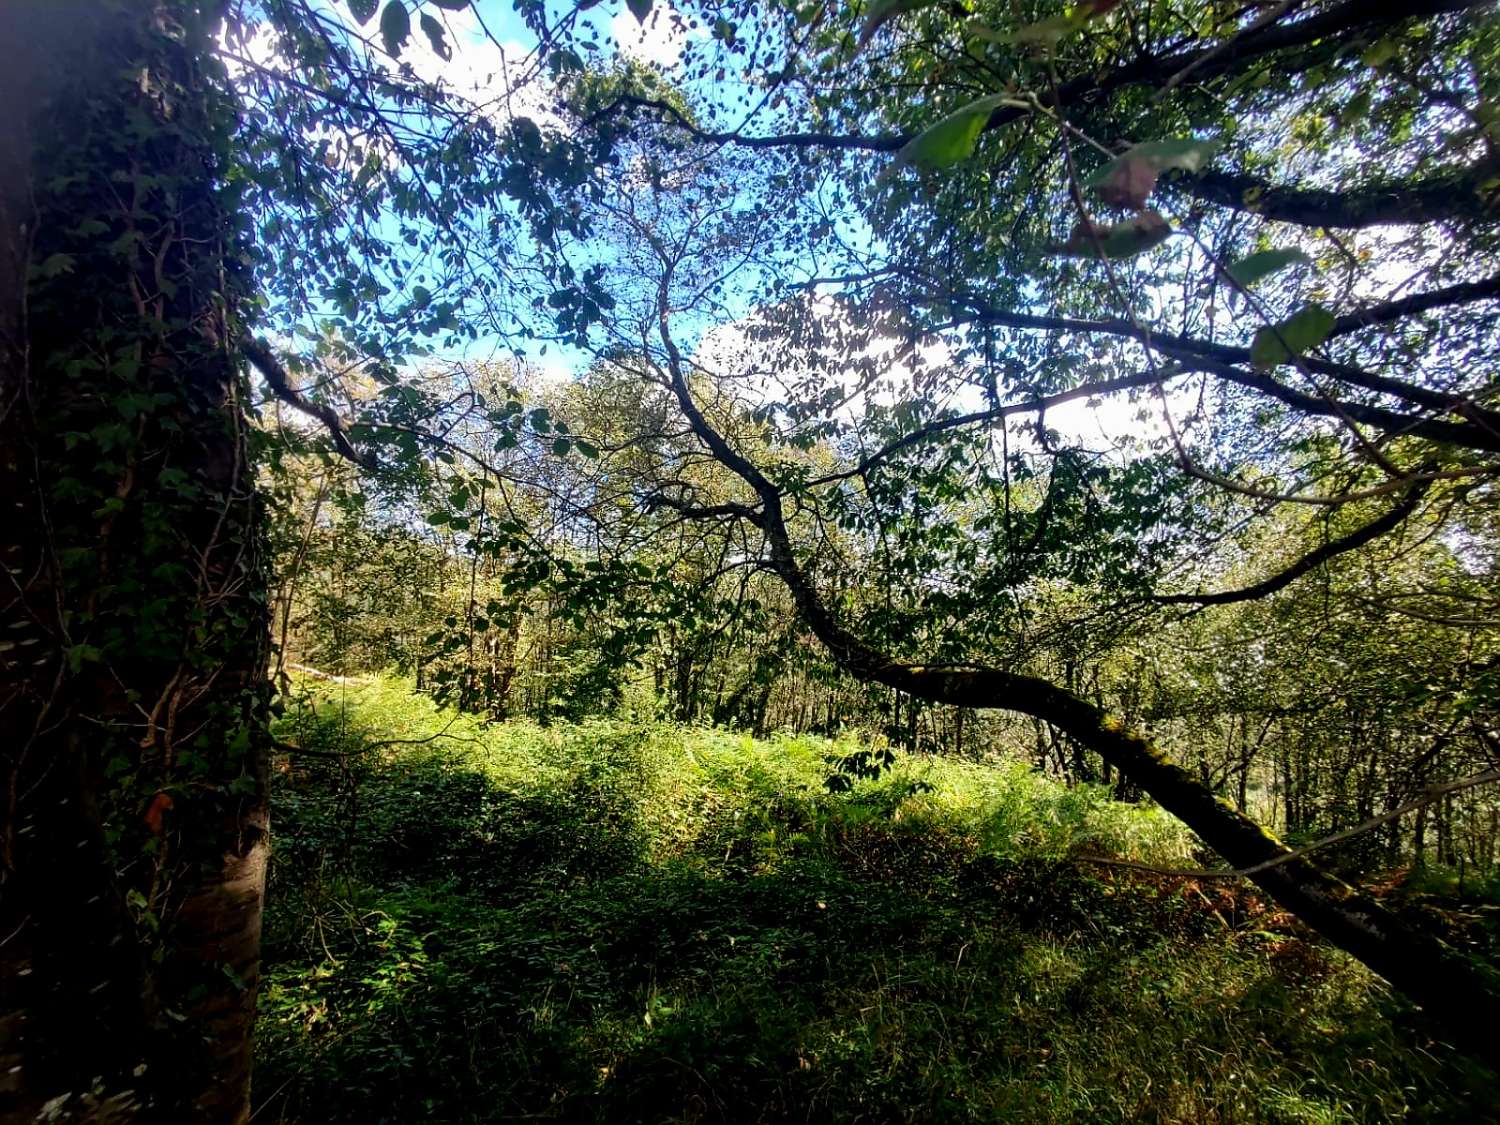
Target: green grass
[617, 923]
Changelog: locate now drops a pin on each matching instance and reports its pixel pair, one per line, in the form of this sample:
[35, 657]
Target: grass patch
[612, 922]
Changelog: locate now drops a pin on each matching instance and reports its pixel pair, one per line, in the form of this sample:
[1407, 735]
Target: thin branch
[1310, 561]
[265, 361]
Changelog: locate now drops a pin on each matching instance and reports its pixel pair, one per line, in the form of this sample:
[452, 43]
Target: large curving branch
[1449, 195]
[1480, 431]
[1455, 989]
[1444, 196]
[1309, 562]
[260, 354]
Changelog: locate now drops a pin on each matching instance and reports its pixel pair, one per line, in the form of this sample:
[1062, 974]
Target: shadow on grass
[444, 948]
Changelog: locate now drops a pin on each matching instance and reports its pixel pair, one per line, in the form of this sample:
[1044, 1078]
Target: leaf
[639, 8]
[362, 10]
[588, 449]
[953, 138]
[1128, 180]
[1186, 153]
[1042, 33]
[562, 447]
[1296, 335]
[1380, 52]
[395, 27]
[1247, 271]
[54, 265]
[436, 37]
[1119, 240]
[880, 12]
[1047, 32]
[1128, 183]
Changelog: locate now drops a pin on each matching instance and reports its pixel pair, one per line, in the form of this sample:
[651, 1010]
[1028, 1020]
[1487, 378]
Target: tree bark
[133, 610]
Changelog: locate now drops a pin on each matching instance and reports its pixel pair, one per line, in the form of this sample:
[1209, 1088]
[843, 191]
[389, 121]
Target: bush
[619, 922]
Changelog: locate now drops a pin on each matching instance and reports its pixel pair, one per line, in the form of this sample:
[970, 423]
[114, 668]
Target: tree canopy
[1128, 368]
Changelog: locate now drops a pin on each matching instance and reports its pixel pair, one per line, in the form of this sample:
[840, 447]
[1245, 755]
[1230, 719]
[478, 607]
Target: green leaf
[588, 449]
[436, 36]
[562, 447]
[1185, 153]
[953, 138]
[54, 266]
[1247, 271]
[395, 27]
[421, 296]
[1296, 335]
[639, 8]
[1047, 32]
[362, 10]
[1119, 240]
[1380, 53]
[881, 12]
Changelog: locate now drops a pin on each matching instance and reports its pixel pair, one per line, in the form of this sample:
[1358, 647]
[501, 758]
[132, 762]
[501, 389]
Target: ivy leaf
[1380, 52]
[1296, 335]
[395, 27]
[1118, 240]
[436, 37]
[880, 12]
[1128, 180]
[639, 8]
[362, 10]
[953, 138]
[1247, 271]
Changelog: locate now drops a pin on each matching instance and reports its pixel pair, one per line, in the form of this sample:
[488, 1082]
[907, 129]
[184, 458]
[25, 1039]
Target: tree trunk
[133, 679]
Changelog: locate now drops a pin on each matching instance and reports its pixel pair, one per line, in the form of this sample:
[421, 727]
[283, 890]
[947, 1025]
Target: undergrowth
[643, 923]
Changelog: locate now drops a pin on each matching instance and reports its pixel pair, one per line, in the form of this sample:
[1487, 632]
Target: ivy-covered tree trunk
[133, 631]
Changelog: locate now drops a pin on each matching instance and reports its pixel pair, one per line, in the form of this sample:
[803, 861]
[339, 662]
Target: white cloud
[504, 79]
[659, 41]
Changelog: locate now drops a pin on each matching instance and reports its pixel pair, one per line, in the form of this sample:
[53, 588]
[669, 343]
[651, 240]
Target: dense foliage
[622, 921]
[1082, 415]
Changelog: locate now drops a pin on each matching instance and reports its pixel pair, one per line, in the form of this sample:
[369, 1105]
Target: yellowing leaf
[881, 12]
[1128, 183]
[1128, 180]
[1118, 240]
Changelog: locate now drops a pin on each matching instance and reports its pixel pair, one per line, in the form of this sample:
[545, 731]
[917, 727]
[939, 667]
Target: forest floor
[616, 922]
